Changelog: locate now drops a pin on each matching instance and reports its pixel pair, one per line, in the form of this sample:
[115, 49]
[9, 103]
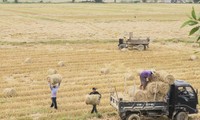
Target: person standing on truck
[94, 91]
[144, 75]
[54, 89]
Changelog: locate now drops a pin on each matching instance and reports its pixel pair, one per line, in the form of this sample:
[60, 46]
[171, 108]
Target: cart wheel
[181, 116]
[140, 47]
[133, 117]
[121, 46]
[130, 47]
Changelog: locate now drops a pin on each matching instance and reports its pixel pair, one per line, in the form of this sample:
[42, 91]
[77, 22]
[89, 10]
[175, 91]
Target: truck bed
[150, 108]
[117, 104]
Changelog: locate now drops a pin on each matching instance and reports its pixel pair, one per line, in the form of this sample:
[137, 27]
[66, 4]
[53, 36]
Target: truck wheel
[140, 47]
[181, 116]
[130, 47]
[121, 46]
[133, 117]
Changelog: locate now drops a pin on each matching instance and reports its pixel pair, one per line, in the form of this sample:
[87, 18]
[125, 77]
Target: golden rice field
[85, 38]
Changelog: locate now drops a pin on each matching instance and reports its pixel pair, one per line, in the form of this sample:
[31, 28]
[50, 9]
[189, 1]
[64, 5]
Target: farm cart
[134, 43]
[177, 105]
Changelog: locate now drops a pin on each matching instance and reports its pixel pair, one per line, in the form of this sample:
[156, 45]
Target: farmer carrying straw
[54, 89]
[94, 91]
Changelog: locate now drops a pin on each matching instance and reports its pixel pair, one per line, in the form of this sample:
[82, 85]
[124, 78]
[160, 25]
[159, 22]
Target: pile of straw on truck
[156, 90]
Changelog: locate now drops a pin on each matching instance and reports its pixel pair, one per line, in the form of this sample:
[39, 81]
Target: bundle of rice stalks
[193, 57]
[92, 99]
[54, 79]
[152, 87]
[163, 88]
[129, 76]
[51, 71]
[140, 95]
[9, 92]
[104, 70]
[157, 90]
[158, 87]
[27, 60]
[136, 94]
[61, 64]
[165, 77]
[155, 77]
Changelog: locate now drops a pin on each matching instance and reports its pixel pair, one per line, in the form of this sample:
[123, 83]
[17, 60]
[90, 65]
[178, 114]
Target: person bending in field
[144, 75]
[94, 91]
[54, 89]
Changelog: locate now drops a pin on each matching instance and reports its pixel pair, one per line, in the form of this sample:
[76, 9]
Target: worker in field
[94, 91]
[54, 89]
[145, 78]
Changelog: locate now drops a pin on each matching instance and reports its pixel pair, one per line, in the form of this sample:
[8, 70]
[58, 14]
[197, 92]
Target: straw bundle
[55, 78]
[136, 94]
[155, 77]
[152, 87]
[157, 90]
[61, 64]
[52, 71]
[105, 70]
[157, 87]
[9, 92]
[165, 77]
[151, 94]
[140, 95]
[163, 88]
[193, 57]
[27, 60]
[92, 99]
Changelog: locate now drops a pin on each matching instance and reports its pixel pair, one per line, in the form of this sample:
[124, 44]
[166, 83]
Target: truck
[180, 101]
[134, 43]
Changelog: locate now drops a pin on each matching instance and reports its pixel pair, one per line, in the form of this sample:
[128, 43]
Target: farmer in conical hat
[144, 75]
[94, 91]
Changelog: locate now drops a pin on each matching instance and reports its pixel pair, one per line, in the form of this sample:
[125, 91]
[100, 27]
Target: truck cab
[181, 99]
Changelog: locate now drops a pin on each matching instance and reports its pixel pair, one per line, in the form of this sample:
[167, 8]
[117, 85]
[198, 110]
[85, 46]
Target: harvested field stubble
[82, 73]
[86, 40]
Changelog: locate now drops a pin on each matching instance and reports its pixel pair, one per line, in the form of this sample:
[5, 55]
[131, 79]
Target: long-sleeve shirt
[54, 90]
[146, 74]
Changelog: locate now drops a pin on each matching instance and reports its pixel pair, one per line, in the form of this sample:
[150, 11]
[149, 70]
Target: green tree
[194, 21]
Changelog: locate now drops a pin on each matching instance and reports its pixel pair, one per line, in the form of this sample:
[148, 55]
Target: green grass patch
[57, 42]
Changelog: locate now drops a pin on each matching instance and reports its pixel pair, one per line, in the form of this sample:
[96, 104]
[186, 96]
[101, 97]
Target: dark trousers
[94, 109]
[54, 103]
